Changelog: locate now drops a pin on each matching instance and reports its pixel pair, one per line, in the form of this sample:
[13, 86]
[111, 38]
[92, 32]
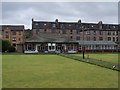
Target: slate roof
[72, 25]
[48, 37]
[97, 43]
[12, 27]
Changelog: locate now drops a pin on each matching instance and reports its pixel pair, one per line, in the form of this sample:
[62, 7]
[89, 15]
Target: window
[53, 25]
[116, 32]
[45, 24]
[61, 26]
[109, 33]
[19, 33]
[88, 38]
[100, 26]
[78, 38]
[100, 38]
[114, 27]
[88, 32]
[14, 33]
[14, 39]
[94, 38]
[71, 31]
[19, 39]
[37, 31]
[7, 35]
[64, 31]
[117, 39]
[94, 32]
[113, 33]
[114, 39]
[71, 37]
[29, 46]
[100, 32]
[14, 45]
[77, 32]
[36, 24]
[45, 30]
[109, 38]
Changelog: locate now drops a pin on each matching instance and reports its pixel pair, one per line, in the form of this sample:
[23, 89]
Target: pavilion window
[29, 47]
[50, 47]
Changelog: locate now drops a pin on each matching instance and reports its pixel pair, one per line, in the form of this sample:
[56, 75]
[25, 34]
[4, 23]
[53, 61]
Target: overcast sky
[23, 12]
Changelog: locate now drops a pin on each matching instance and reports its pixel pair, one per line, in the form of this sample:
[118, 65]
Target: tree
[11, 49]
[27, 34]
[6, 46]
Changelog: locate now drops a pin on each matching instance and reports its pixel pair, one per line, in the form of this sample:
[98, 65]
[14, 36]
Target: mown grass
[110, 57]
[52, 71]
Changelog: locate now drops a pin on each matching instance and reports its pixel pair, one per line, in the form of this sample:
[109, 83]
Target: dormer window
[36, 23]
[114, 27]
[45, 24]
[53, 25]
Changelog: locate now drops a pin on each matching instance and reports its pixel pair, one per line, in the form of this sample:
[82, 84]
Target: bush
[7, 47]
[11, 49]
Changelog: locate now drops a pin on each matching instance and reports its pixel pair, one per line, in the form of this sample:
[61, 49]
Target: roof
[12, 27]
[48, 37]
[97, 43]
[72, 25]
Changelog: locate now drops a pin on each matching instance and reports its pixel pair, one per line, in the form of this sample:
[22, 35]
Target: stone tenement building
[13, 33]
[72, 36]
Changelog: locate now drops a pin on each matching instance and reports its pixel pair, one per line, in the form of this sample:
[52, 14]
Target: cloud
[23, 12]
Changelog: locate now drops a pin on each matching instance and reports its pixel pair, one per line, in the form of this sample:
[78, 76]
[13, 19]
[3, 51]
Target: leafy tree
[11, 49]
[6, 46]
[27, 34]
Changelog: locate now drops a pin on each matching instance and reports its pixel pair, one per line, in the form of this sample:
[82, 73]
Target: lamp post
[83, 47]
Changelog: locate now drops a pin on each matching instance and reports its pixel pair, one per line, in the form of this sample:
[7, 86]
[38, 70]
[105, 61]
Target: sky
[21, 13]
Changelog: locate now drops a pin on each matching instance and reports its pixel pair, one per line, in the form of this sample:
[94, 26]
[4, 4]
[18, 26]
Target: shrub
[11, 49]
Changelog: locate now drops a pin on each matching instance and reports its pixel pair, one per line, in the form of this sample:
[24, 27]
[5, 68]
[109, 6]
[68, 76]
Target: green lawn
[110, 57]
[52, 71]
